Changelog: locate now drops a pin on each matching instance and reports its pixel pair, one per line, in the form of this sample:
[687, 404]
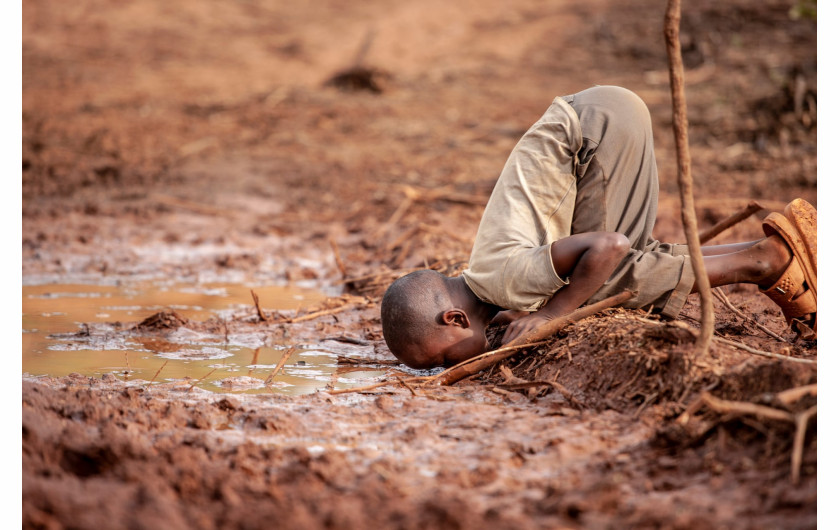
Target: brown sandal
[784, 291]
[798, 228]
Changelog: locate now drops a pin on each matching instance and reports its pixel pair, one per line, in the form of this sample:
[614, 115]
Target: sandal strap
[783, 293]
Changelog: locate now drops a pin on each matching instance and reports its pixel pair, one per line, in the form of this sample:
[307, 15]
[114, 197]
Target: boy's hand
[521, 326]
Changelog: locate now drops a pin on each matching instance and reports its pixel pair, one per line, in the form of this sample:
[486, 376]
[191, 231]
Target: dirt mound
[628, 362]
[163, 320]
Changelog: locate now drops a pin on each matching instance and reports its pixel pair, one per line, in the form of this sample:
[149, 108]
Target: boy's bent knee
[613, 244]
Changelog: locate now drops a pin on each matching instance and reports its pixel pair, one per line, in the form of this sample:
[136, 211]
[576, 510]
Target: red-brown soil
[282, 138]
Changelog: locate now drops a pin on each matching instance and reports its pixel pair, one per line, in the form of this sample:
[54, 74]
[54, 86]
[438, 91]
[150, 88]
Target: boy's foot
[795, 292]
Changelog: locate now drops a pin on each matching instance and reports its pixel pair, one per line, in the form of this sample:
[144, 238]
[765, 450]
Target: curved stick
[689, 217]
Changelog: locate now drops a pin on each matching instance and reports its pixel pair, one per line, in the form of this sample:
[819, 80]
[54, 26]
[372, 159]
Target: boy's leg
[757, 262]
[618, 191]
[617, 179]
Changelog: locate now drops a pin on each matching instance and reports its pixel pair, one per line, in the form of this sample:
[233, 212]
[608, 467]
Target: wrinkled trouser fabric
[617, 191]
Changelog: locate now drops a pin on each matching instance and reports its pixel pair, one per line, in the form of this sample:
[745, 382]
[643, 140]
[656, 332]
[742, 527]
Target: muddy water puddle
[74, 328]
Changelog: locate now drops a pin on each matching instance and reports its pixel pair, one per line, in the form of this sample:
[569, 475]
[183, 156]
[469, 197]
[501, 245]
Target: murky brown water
[53, 313]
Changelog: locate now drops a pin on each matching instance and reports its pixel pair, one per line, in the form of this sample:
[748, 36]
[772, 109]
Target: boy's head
[428, 321]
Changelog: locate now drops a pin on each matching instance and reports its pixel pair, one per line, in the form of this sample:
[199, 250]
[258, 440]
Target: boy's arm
[507, 316]
[588, 259]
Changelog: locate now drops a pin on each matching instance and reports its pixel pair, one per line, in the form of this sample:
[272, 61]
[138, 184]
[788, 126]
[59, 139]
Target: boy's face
[455, 344]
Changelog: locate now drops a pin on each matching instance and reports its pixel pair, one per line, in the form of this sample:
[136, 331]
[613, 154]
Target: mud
[337, 146]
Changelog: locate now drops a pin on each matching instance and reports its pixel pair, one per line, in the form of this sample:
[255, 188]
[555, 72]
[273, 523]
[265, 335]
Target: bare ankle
[773, 261]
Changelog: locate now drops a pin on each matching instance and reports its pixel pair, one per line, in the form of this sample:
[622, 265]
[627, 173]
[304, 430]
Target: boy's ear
[455, 317]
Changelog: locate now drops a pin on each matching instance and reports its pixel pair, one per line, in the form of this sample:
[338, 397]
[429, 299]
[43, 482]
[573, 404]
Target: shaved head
[410, 310]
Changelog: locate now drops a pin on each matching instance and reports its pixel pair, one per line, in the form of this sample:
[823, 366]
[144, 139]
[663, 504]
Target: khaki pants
[618, 190]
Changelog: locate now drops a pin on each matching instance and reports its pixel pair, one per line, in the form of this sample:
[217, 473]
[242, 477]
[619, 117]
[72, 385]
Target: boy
[569, 221]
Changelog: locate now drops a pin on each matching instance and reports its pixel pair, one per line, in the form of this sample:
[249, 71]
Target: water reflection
[80, 328]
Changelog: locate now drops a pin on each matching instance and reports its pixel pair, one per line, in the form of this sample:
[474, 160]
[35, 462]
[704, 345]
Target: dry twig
[755, 351]
[277, 368]
[743, 407]
[254, 360]
[378, 385]
[479, 358]
[257, 305]
[280, 365]
[157, 373]
[801, 421]
[689, 217]
[197, 381]
[324, 312]
[410, 389]
[720, 295]
[792, 395]
[708, 234]
[375, 276]
[343, 359]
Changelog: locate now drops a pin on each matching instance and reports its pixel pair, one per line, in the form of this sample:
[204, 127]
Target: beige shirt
[531, 206]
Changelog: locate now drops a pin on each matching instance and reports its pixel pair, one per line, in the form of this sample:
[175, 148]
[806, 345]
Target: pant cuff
[675, 302]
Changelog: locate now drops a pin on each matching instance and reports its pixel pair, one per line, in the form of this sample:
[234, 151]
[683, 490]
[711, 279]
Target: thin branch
[489, 354]
[378, 385]
[257, 305]
[743, 407]
[280, 365]
[802, 420]
[771, 355]
[403, 383]
[197, 381]
[792, 395]
[157, 373]
[708, 234]
[323, 312]
[720, 295]
[689, 217]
